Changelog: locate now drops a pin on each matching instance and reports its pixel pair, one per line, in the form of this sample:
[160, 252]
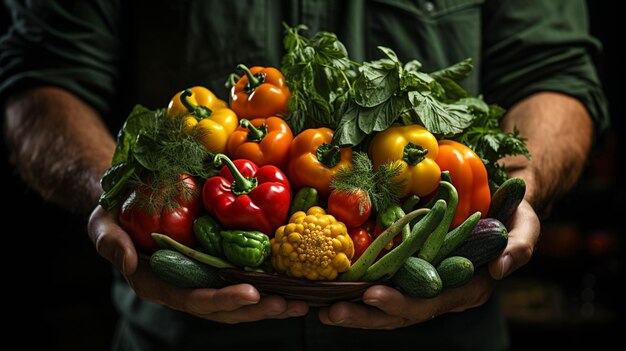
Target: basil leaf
[456, 72]
[348, 132]
[114, 182]
[438, 117]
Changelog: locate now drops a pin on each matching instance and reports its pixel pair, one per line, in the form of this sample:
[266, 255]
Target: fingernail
[507, 261]
[243, 302]
[119, 261]
[373, 302]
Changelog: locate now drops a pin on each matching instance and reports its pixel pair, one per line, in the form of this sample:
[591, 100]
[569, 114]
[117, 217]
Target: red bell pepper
[247, 197]
[260, 93]
[177, 222]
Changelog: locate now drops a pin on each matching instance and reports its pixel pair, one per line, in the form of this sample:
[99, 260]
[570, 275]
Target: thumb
[111, 241]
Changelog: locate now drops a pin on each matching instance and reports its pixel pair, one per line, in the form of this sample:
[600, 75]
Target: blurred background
[567, 295]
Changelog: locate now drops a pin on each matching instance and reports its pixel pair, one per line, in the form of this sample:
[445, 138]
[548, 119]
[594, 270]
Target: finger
[269, 307]
[112, 242]
[523, 236]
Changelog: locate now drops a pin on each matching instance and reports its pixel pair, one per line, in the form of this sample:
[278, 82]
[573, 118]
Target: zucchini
[486, 242]
[506, 198]
[456, 236]
[180, 270]
[455, 271]
[418, 278]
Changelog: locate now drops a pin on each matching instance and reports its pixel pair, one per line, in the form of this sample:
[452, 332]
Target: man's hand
[387, 308]
[232, 304]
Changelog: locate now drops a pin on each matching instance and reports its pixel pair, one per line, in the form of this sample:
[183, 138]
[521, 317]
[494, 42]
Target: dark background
[566, 296]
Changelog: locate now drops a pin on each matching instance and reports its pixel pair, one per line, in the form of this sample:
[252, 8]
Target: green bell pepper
[207, 231]
[246, 248]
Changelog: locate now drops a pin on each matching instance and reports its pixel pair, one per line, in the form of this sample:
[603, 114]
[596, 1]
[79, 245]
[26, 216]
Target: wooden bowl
[315, 292]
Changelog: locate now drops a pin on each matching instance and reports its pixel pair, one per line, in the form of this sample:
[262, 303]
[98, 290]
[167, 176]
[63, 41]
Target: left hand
[387, 308]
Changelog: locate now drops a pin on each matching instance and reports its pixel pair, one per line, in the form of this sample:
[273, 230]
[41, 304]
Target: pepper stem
[413, 154]
[200, 112]
[328, 154]
[254, 134]
[254, 80]
[241, 185]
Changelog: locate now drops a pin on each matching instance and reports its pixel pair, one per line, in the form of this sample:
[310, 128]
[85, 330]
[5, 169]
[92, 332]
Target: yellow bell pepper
[313, 245]
[205, 116]
[414, 149]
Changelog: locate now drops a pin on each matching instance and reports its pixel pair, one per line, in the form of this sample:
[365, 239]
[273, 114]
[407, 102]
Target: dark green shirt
[114, 54]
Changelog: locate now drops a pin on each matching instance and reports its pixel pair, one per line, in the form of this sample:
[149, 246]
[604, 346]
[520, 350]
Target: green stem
[254, 134]
[253, 80]
[413, 154]
[241, 185]
[165, 241]
[198, 111]
[328, 155]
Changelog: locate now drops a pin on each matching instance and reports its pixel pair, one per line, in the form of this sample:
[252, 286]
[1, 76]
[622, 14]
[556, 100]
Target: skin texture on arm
[559, 135]
[62, 148]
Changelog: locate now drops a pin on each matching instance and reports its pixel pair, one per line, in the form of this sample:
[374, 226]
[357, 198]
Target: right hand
[232, 304]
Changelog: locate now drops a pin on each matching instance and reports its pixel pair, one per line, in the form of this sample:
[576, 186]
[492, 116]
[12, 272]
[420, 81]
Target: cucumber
[455, 271]
[506, 198]
[486, 242]
[418, 278]
[456, 236]
[180, 270]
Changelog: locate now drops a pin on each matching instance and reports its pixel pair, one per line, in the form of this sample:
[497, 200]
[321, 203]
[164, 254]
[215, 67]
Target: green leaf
[456, 72]
[375, 84]
[114, 183]
[144, 153]
[139, 119]
[438, 117]
[348, 132]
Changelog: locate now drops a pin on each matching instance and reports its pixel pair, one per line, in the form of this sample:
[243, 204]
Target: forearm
[60, 146]
[559, 135]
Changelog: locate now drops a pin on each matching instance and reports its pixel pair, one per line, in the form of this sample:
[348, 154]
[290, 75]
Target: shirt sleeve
[537, 45]
[70, 44]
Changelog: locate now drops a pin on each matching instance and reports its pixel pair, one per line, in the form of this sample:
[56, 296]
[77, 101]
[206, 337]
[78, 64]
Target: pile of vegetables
[321, 169]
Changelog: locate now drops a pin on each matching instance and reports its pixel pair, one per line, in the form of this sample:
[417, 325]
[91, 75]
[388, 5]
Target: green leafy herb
[319, 74]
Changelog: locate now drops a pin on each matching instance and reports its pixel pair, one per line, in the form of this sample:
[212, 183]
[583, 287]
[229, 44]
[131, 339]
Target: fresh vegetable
[246, 248]
[415, 149]
[319, 74]
[455, 271]
[204, 116]
[489, 141]
[506, 199]
[352, 208]
[469, 177]
[313, 160]
[456, 236]
[418, 278]
[207, 231]
[304, 199]
[434, 241]
[313, 245]
[174, 220]
[485, 242]
[165, 242]
[260, 93]
[386, 218]
[247, 197]
[386, 266]
[182, 271]
[387, 91]
[264, 141]
[152, 151]
[361, 239]
[358, 191]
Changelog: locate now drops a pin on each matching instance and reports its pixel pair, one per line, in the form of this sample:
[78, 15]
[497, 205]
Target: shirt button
[429, 6]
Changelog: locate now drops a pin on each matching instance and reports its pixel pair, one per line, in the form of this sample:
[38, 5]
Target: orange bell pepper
[469, 177]
[260, 93]
[264, 141]
[313, 160]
